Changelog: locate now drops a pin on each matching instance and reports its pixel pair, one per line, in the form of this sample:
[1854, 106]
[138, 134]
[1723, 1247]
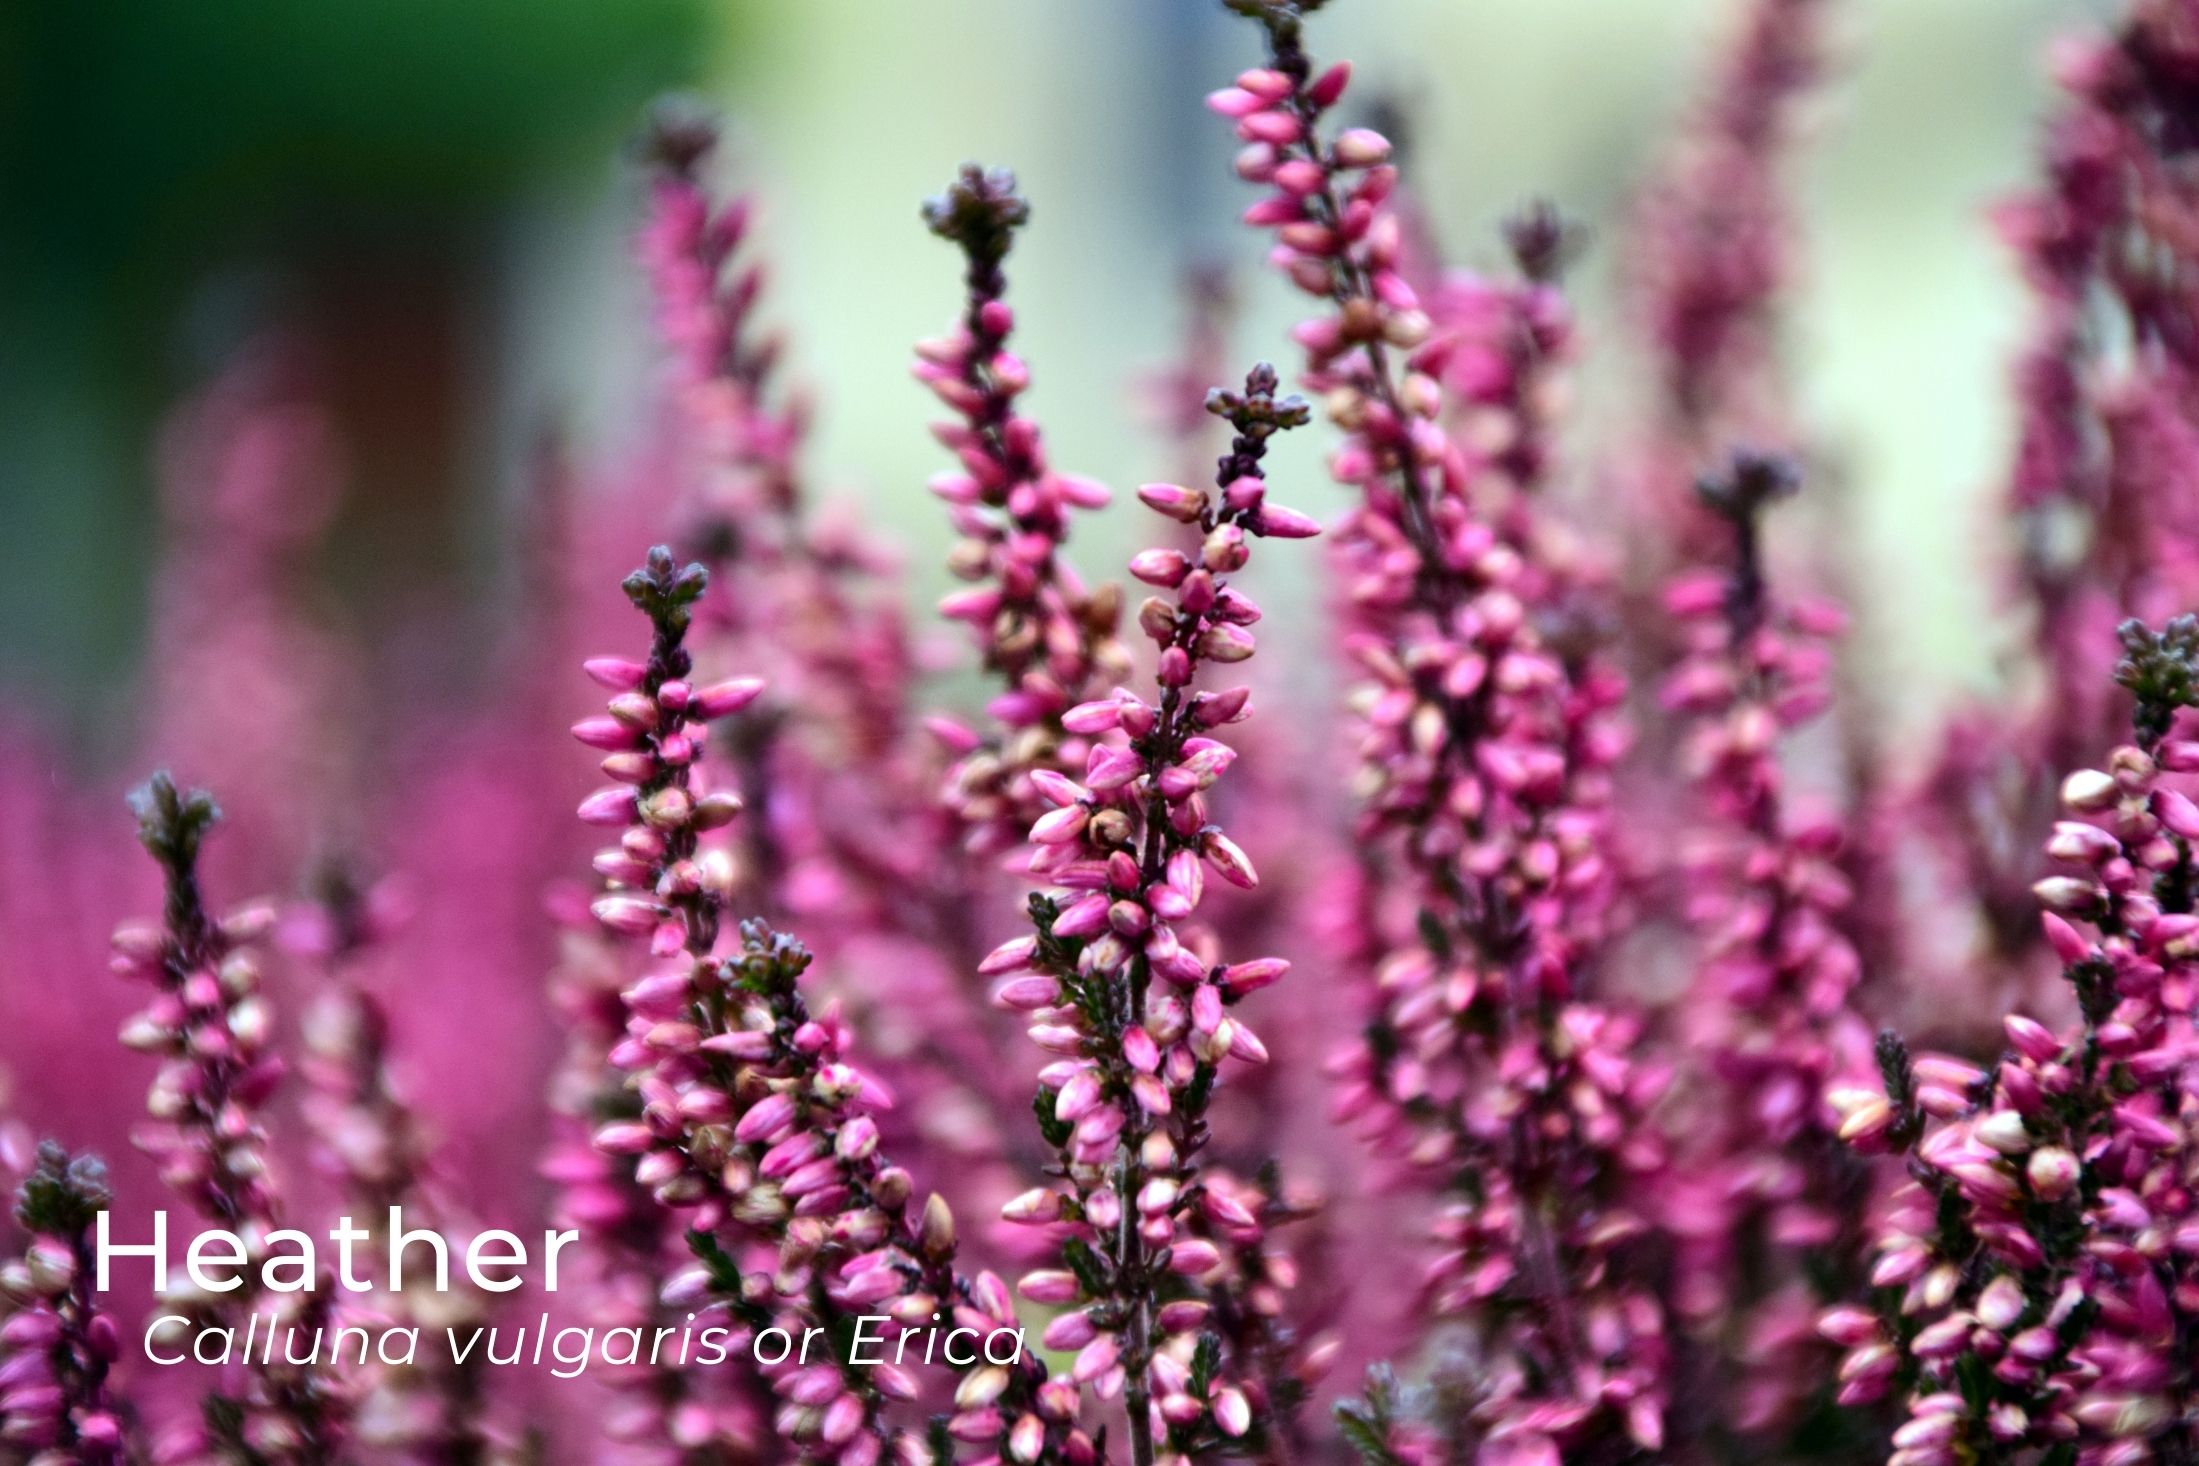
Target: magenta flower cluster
[2037, 1269]
[1582, 1039]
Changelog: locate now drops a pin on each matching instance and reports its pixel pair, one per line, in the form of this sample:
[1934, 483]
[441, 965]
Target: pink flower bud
[2053, 1172]
[1009, 956]
[1228, 860]
[1095, 1359]
[616, 673]
[1060, 826]
[1028, 994]
[1234, 102]
[610, 807]
[2177, 812]
[2030, 1037]
[1078, 1097]
[1039, 1204]
[726, 698]
[607, 733]
[2001, 1304]
[1093, 717]
[1164, 568]
[765, 1118]
[1069, 1331]
[2089, 790]
[842, 1419]
[1361, 147]
[2068, 895]
[629, 915]
[1849, 1327]
[1245, 978]
[1174, 500]
[1050, 1286]
[1328, 88]
[1274, 521]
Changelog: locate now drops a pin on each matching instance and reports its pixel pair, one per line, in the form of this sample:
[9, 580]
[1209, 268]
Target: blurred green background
[433, 193]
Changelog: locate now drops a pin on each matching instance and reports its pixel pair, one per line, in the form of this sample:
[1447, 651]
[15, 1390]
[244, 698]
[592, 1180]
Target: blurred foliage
[199, 120]
[426, 187]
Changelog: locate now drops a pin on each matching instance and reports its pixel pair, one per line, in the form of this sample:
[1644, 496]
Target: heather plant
[891, 1006]
[845, 815]
[209, 1022]
[2034, 1276]
[1047, 638]
[1767, 1214]
[370, 1142]
[633, 1242]
[1123, 993]
[753, 1125]
[1485, 757]
[59, 1345]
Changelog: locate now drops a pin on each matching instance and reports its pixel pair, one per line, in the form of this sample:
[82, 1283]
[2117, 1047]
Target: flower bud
[1361, 147]
[2053, 1172]
[2004, 1131]
[725, 698]
[2088, 791]
[1177, 502]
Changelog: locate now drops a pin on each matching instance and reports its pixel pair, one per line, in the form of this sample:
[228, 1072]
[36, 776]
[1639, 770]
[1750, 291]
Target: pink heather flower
[1139, 1012]
[755, 1125]
[1771, 1005]
[1484, 764]
[633, 1243]
[368, 1139]
[1277, 1306]
[371, 1144]
[207, 1020]
[659, 881]
[210, 1025]
[840, 789]
[58, 1345]
[2037, 1271]
[1048, 639]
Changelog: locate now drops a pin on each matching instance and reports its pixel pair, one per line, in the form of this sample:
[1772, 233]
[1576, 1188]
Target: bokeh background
[434, 197]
